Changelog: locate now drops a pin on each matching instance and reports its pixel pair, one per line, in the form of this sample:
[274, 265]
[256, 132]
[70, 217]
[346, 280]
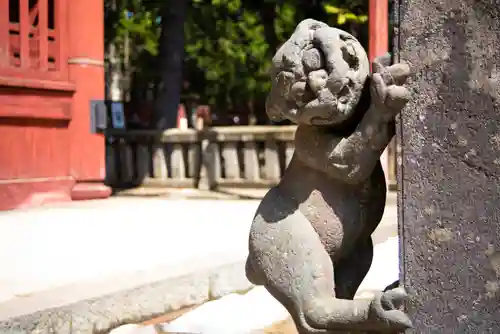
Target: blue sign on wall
[117, 115]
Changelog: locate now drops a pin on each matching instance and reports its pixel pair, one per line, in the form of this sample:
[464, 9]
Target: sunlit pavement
[256, 310]
[137, 258]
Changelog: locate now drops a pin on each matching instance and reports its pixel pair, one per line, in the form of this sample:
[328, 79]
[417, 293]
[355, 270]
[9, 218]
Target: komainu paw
[384, 310]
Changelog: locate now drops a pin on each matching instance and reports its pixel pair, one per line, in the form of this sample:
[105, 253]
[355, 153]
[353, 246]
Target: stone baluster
[143, 162]
[251, 161]
[111, 166]
[194, 160]
[211, 165]
[272, 161]
[231, 163]
[160, 170]
[178, 164]
[127, 162]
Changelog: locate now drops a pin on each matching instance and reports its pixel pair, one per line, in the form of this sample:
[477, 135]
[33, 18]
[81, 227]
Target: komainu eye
[349, 56]
[312, 60]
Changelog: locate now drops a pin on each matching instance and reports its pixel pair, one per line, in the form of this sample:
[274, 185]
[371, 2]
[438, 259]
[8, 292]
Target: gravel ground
[284, 327]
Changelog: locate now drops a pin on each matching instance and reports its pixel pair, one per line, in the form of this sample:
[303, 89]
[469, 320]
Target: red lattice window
[33, 42]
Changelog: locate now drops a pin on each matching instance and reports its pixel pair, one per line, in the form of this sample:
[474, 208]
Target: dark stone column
[450, 164]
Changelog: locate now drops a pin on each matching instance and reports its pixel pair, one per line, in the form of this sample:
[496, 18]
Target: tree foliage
[228, 44]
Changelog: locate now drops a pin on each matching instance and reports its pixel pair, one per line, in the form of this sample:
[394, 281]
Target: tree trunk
[113, 66]
[115, 86]
[170, 59]
[268, 16]
[313, 9]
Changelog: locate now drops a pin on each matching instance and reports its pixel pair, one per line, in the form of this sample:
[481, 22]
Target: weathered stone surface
[101, 314]
[450, 167]
[134, 305]
[228, 279]
[311, 235]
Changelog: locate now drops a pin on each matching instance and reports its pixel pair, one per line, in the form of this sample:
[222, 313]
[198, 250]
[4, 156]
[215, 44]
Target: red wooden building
[51, 67]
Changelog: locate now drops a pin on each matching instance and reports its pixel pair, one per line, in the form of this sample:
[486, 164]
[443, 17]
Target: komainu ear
[276, 102]
[273, 111]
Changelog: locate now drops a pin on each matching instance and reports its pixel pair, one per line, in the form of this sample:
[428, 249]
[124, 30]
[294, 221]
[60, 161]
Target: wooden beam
[43, 38]
[24, 31]
[4, 33]
[61, 39]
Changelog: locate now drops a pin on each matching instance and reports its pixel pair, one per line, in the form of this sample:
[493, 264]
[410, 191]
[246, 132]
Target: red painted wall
[50, 69]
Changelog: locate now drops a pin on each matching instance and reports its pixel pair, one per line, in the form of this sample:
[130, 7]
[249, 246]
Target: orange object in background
[51, 67]
[182, 121]
[378, 28]
[378, 45]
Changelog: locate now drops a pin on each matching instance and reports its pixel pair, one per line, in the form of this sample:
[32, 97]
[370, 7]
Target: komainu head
[317, 76]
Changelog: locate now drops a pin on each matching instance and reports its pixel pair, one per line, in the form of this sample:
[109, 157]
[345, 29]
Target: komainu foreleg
[352, 159]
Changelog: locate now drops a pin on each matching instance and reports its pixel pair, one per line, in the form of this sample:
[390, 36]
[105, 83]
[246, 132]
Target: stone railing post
[211, 164]
[231, 161]
[250, 160]
[111, 162]
[160, 170]
[272, 161]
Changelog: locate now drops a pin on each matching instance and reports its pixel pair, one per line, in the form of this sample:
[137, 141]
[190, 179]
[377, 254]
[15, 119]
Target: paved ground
[122, 251]
[102, 263]
[257, 312]
[172, 193]
[223, 193]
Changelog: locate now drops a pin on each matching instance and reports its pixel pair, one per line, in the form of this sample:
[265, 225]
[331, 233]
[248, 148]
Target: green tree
[223, 47]
[226, 52]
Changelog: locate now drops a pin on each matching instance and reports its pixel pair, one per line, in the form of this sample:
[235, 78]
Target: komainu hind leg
[351, 270]
[299, 273]
[253, 275]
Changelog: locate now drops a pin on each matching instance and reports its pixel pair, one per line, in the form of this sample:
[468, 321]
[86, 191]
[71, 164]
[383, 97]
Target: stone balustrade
[232, 156]
[227, 156]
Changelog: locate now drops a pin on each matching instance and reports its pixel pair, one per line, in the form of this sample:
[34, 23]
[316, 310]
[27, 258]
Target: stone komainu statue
[310, 242]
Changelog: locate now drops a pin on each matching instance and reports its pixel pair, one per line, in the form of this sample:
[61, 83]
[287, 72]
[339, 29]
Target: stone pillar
[449, 170]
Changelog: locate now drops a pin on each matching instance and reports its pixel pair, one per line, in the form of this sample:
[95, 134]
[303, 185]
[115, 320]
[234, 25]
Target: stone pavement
[92, 266]
[253, 311]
